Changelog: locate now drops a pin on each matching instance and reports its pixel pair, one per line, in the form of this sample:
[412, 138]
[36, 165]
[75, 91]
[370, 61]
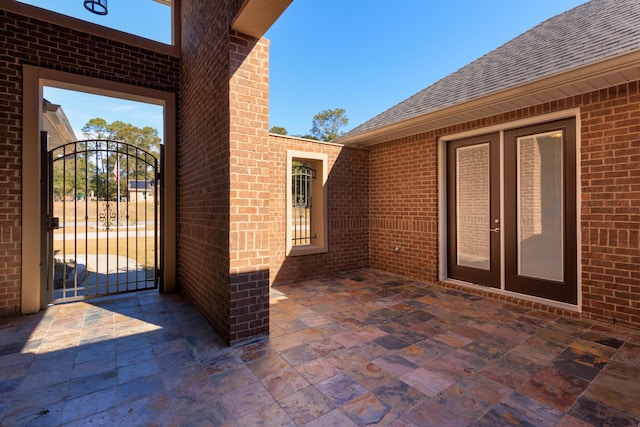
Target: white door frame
[442, 204]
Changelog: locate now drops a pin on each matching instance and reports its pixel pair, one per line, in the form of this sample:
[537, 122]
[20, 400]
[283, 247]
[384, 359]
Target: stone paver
[361, 348]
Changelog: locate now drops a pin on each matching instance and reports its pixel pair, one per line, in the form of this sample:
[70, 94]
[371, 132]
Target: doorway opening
[111, 101]
[101, 196]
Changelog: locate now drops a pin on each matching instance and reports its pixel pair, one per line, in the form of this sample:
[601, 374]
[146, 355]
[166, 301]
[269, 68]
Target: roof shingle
[587, 34]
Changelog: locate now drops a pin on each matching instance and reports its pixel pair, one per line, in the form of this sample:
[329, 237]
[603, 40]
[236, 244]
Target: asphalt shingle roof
[589, 33]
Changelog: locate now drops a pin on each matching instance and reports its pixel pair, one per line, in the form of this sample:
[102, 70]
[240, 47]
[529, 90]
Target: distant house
[138, 190]
[56, 124]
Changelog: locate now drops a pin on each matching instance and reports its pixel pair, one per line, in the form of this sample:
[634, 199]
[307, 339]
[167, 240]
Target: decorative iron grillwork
[105, 197]
[108, 217]
[302, 209]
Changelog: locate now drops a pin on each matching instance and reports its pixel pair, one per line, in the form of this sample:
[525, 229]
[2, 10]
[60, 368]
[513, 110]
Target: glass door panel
[540, 206]
[540, 230]
[473, 210]
[473, 207]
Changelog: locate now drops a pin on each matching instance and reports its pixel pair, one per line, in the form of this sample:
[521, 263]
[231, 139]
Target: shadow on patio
[354, 349]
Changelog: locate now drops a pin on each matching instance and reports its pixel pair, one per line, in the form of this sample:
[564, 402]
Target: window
[306, 203]
[158, 25]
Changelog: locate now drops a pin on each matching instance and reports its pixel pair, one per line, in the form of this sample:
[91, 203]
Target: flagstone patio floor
[355, 349]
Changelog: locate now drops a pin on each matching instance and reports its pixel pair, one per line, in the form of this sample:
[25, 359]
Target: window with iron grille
[306, 216]
[302, 175]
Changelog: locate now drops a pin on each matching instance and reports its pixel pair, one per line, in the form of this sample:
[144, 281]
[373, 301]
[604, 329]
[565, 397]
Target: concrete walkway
[104, 263]
[112, 235]
[102, 274]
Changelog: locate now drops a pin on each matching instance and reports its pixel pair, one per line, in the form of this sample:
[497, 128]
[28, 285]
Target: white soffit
[57, 125]
[257, 16]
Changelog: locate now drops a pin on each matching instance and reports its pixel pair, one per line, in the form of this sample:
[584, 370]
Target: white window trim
[320, 244]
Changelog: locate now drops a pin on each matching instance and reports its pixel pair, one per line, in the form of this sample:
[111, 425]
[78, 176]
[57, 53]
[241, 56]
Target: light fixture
[99, 7]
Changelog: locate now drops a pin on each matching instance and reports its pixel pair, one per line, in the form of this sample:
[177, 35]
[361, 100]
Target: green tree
[69, 176]
[327, 124]
[278, 130]
[146, 138]
[96, 129]
[100, 168]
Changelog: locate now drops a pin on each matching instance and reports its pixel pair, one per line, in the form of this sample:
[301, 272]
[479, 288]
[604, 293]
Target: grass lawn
[81, 219]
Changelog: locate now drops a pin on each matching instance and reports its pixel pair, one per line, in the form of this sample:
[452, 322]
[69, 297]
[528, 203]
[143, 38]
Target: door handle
[495, 230]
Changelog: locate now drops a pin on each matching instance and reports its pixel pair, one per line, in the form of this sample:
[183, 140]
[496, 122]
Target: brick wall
[31, 41]
[249, 195]
[203, 160]
[223, 206]
[610, 175]
[404, 206]
[403, 177]
[347, 210]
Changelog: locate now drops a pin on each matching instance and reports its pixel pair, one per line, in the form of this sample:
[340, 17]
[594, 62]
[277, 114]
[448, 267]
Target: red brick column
[249, 187]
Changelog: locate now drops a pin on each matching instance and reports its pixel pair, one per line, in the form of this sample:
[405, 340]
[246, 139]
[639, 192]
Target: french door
[537, 226]
[473, 168]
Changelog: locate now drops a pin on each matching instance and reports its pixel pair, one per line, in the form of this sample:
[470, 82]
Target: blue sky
[361, 55]
[368, 55]
[80, 107]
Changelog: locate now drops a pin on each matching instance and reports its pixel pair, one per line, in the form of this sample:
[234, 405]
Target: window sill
[307, 250]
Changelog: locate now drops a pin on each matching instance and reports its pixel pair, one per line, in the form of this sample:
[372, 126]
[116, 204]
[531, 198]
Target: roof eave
[611, 72]
[57, 125]
[257, 16]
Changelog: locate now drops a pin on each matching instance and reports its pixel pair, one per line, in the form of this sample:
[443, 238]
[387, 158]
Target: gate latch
[53, 223]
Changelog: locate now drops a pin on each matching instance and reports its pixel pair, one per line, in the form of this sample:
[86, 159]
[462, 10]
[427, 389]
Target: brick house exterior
[609, 219]
[347, 213]
[220, 61]
[385, 182]
[529, 80]
[35, 42]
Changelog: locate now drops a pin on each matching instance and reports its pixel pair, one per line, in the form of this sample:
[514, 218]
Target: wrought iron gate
[102, 211]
